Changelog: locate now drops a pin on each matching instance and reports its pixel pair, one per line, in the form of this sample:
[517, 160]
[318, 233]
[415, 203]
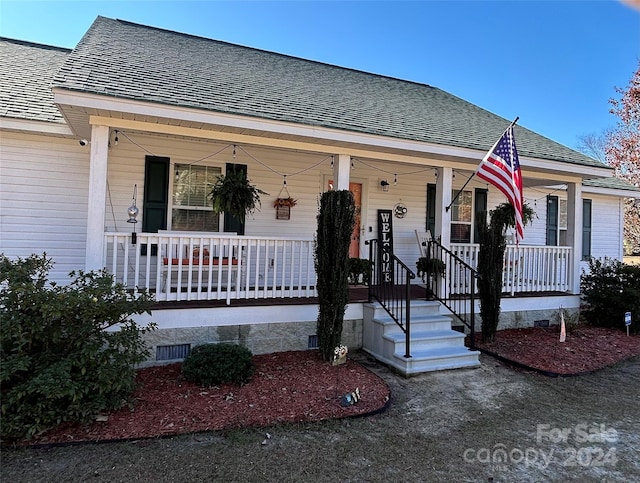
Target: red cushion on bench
[196, 261]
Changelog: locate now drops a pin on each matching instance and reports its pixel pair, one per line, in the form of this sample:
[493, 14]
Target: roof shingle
[26, 72]
[130, 61]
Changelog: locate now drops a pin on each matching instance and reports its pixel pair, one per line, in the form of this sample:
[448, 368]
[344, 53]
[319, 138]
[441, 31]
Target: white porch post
[97, 197]
[443, 198]
[341, 171]
[574, 232]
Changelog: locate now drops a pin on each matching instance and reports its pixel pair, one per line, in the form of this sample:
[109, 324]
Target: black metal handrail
[454, 285]
[390, 285]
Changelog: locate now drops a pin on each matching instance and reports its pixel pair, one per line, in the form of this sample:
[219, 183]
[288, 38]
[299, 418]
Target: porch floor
[357, 294]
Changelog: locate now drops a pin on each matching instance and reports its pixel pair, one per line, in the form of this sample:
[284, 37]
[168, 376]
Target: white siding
[43, 194]
[306, 180]
[126, 168]
[43, 199]
[607, 220]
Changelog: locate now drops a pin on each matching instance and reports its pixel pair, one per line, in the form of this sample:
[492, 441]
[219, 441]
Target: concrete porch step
[427, 360]
[426, 339]
[434, 344]
[423, 323]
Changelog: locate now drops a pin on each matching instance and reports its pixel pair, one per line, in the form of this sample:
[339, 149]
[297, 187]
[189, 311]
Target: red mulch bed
[586, 348]
[286, 387]
[292, 387]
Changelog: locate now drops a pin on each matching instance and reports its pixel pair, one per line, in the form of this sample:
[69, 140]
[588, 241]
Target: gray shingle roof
[610, 183]
[26, 72]
[126, 60]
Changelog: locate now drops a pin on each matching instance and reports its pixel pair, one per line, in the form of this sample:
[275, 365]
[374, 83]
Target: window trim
[470, 223]
[170, 195]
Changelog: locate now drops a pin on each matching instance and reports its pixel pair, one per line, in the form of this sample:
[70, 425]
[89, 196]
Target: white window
[191, 208]
[461, 217]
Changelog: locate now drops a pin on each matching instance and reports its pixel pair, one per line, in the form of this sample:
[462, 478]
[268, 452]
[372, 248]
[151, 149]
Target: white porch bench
[194, 265]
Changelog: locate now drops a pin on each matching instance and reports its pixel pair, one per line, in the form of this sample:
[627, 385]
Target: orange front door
[354, 247]
[356, 190]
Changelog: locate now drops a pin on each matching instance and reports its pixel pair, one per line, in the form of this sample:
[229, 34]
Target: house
[125, 134]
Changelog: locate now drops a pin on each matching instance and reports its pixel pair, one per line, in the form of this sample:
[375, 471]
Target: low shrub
[214, 364]
[609, 289]
[58, 361]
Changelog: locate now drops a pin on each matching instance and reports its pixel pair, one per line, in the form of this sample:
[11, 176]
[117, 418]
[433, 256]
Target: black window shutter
[233, 223]
[552, 220]
[431, 209]
[586, 229]
[480, 212]
[156, 194]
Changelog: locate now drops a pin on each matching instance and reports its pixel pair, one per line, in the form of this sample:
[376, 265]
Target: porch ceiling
[81, 111]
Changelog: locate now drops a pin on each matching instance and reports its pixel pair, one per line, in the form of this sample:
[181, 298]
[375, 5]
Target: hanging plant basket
[283, 204]
[235, 195]
[290, 202]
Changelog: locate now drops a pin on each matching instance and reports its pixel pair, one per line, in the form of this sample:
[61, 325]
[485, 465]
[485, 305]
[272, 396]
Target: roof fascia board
[546, 165]
[29, 125]
[168, 129]
[622, 193]
[558, 182]
[92, 101]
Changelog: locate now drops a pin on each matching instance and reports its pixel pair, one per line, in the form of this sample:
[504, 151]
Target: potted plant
[430, 266]
[429, 269]
[235, 195]
[358, 269]
[290, 202]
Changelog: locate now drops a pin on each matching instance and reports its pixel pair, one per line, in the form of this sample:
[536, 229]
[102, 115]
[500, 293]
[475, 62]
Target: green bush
[57, 360]
[609, 289]
[214, 364]
[336, 219]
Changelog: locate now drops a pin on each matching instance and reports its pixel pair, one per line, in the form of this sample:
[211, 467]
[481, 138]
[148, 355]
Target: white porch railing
[177, 266]
[181, 267]
[527, 268]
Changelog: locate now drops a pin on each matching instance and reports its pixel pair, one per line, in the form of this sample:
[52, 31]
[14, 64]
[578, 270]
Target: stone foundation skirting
[262, 338]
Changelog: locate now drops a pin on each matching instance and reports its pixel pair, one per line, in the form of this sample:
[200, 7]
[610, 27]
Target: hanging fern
[235, 195]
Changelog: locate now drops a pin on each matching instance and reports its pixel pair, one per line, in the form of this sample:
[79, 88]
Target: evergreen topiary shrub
[608, 290]
[336, 220]
[215, 364]
[491, 262]
[58, 361]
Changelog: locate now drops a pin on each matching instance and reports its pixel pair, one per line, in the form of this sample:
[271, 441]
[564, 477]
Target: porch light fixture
[384, 184]
[133, 211]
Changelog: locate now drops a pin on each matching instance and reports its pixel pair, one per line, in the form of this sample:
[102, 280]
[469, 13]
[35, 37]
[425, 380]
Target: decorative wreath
[400, 210]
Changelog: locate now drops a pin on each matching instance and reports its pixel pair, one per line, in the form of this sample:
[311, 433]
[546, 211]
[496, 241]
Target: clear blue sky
[554, 64]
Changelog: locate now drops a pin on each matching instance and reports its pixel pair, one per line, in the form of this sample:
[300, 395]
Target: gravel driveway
[486, 424]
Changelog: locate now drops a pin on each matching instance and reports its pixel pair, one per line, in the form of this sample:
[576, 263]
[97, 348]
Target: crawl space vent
[170, 352]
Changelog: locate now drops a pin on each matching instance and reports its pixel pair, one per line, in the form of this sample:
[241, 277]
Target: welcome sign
[385, 242]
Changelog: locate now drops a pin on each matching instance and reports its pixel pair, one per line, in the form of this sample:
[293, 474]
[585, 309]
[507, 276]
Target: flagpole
[513, 123]
[460, 191]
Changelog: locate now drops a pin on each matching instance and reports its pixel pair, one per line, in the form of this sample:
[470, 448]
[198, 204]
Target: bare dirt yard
[494, 423]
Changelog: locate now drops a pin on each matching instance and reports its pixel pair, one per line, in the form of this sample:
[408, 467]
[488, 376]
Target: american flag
[501, 168]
